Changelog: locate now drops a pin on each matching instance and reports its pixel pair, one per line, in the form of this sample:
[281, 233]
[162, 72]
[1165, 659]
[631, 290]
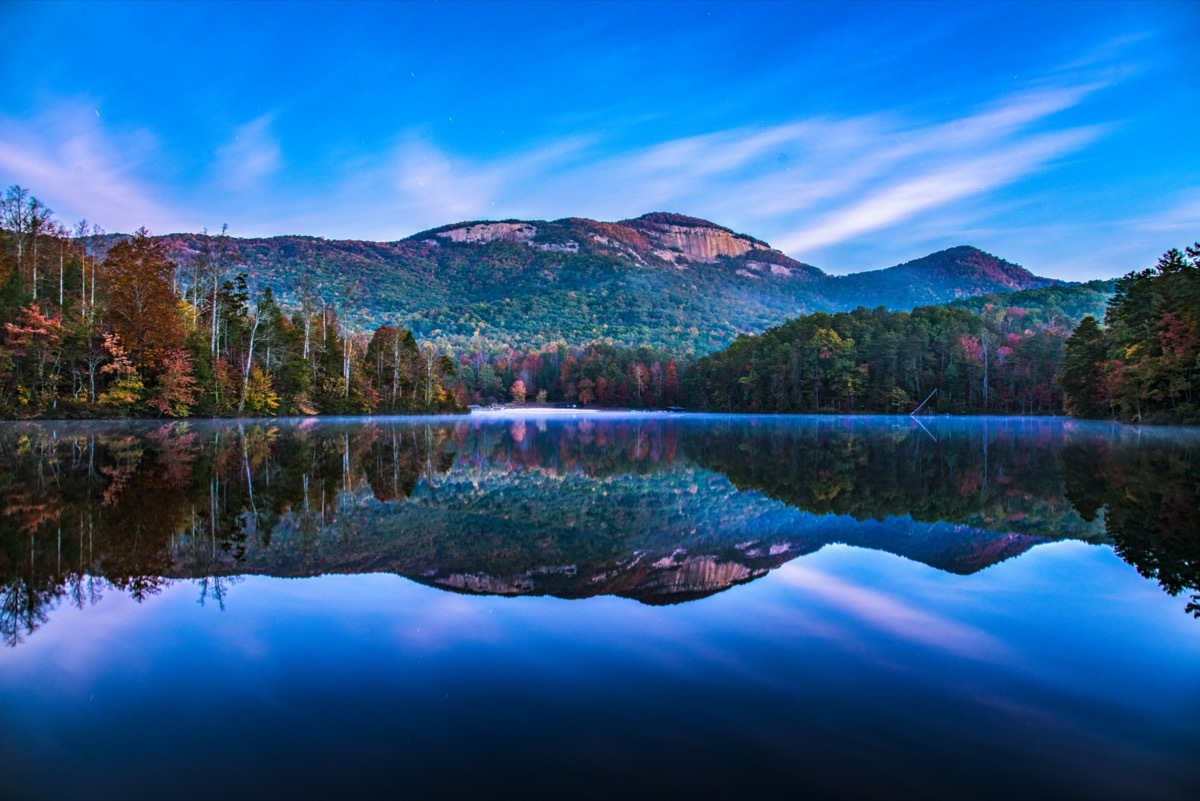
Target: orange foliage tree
[141, 301]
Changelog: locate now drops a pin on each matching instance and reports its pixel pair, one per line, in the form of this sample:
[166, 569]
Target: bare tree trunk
[246, 371]
[395, 368]
[983, 341]
[430, 358]
[212, 340]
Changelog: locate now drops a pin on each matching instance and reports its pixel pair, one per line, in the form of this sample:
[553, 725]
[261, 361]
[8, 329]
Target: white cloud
[1181, 218]
[902, 198]
[250, 157]
[68, 159]
[807, 186]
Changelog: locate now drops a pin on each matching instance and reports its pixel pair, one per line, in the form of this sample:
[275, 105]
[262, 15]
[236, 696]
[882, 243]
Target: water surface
[609, 604]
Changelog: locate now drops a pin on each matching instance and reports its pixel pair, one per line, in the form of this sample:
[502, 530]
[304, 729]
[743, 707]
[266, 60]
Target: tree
[260, 397]
[126, 388]
[639, 374]
[177, 388]
[586, 391]
[141, 303]
[518, 391]
[1082, 378]
[436, 368]
[36, 341]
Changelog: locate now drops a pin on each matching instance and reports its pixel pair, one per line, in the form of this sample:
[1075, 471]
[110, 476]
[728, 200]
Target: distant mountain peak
[970, 261]
[957, 272]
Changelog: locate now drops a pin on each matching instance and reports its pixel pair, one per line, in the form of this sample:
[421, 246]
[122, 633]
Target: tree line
[1144, 364]
[93, 325]
[98, 326]
[598, 374]
[1000, 361]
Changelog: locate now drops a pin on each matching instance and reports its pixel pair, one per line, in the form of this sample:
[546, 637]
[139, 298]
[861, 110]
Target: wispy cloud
[899, 198]
[251, 157]
[67, 157]
[805, 185]
[1181, 217]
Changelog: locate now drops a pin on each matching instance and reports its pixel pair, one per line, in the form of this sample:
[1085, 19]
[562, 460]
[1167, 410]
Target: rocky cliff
[674, 235]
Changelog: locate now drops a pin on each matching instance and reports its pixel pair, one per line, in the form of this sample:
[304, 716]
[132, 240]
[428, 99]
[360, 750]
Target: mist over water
[600, 604]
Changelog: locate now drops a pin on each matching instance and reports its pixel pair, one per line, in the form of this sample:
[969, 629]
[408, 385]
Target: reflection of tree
[23, 608]
[142, 504]
[214, 588]
[560, 506]
[133, 505]
[995, 475]
[1148, 486]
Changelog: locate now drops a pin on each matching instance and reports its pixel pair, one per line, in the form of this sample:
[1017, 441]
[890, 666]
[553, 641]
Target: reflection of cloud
[887, 613]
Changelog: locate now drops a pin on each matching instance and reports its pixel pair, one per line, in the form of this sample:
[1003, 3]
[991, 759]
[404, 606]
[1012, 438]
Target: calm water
[633, 606]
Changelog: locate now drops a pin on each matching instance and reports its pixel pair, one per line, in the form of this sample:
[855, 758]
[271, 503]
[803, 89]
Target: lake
[600, 605]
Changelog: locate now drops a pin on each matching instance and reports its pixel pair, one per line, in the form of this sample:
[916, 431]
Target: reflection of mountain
[683, 533]
[660, 509]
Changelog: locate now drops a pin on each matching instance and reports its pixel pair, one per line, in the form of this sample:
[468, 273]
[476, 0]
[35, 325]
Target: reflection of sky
[846, 672]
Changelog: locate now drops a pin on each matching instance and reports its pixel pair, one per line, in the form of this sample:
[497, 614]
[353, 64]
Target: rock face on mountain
[652, 239]
[490, 232]
[675, 235]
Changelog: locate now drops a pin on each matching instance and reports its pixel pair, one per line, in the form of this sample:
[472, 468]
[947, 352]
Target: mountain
[947, 275]
[661, 279]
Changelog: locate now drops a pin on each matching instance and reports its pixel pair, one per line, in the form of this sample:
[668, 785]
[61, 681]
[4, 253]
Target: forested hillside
[875, 360]
[940, 277]
[660, 280]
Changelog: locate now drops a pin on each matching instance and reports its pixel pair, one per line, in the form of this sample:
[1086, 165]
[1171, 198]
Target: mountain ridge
[661, 279]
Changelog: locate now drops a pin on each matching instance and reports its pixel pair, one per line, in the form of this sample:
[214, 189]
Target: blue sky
[1065, 137]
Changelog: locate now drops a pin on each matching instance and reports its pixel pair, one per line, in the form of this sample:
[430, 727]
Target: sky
[1061, 136]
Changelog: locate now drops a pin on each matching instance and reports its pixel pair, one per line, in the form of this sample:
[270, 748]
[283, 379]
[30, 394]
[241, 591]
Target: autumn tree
[142, 306]
[126, 387]
[177, 387]
[34, 340]
[1145, 363]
